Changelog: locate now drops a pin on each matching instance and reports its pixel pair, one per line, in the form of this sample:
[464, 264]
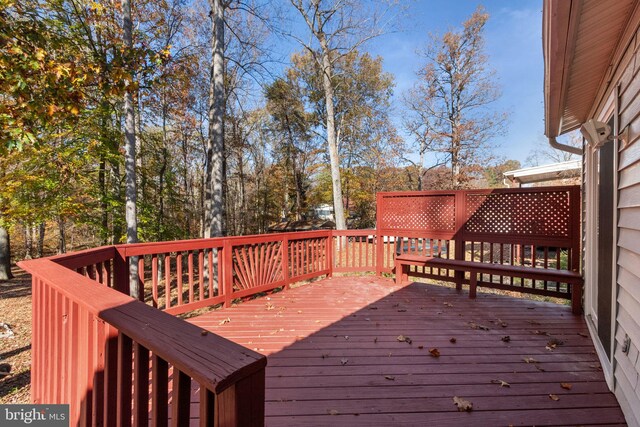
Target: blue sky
[513, 44]
[513, 38]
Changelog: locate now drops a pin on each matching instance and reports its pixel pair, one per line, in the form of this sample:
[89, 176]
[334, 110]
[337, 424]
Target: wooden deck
[335, 356]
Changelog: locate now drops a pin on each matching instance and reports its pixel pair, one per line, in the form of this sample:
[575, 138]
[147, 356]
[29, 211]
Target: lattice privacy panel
[529, 213]
[420, 212]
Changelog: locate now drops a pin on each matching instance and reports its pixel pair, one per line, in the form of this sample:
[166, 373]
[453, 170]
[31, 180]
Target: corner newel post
[379, 246]
[285, 261]
[227, 272]
[330, 251]
[458, 238]
[121, 271]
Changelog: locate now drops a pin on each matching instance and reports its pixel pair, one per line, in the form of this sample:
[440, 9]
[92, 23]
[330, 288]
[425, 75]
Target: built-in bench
[403, 261]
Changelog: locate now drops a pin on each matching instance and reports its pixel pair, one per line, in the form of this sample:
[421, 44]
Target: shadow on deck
[335, 358]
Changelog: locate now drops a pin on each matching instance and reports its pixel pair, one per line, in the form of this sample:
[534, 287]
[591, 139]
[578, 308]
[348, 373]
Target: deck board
[334, 357]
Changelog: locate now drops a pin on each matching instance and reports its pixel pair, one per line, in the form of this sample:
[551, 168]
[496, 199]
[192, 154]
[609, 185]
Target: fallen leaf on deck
[533, 322]
[554, 397]
[270, 306]
[550, 347]
[402, 310]
[530, 360]
[453, 340]
[334, 412]
[448, 304]
[396, 305]
[554, 342]
[203, 332]
[506, 338]
[375, 340]
[346, 337]
[420, 347]
[367, 319]
[462, 404]
[373, 307]
[389, 377]
[299, 311]
[582, 334]
[503, 323]
[566, 386]
[402, 338]
[539, 368]
[344, 361]
[502, 383]
[474, 325]
[223, 321]
[324, 356]
[537, 332]
[434, 352]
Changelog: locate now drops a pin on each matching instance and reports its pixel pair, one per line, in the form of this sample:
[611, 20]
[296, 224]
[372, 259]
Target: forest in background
[181, 111]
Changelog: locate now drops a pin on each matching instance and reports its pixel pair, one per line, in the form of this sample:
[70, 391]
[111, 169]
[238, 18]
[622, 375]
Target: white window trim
[610, 108]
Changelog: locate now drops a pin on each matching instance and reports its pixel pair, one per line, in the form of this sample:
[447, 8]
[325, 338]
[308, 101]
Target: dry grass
[15, 310]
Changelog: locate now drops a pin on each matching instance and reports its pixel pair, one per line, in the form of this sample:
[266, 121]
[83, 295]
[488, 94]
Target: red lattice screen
[538, 227]
[532, 213]
[423, 212]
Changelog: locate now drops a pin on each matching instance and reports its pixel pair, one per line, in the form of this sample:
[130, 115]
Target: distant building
[324, 212]
[560, 173]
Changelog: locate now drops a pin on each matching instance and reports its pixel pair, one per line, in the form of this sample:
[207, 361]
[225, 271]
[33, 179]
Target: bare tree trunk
[62, 240]
[40, 247]
[28, 242]
[5, 255]
[214, 214]
[332, 142]
[130, 152]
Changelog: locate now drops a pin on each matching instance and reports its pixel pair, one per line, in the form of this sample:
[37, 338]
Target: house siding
[627, 365]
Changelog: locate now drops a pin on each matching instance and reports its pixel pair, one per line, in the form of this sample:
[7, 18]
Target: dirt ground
[15, 310]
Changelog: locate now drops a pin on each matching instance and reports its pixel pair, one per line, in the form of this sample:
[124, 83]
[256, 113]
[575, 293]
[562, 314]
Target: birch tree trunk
[214, 209]
[5, 255]
[332, 141]
[130, 150]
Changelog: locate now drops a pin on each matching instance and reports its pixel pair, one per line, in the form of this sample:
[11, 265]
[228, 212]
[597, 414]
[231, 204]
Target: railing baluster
[141, 295]
[125, 361]
[180, 398]
[159, 391]
[154, 280]
[179, 276]
[207, 407]
[190, 270]
[167, 281]
[201, 274]
[140, 385]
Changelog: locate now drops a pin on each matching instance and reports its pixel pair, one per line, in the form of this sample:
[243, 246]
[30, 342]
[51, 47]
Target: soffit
[579, 41]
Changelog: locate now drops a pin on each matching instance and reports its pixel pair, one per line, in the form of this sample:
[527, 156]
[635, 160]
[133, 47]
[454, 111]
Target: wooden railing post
[379, 246]
[227, 272]
[330, 250]
[121, 271]
[285, 261]
[458, 238]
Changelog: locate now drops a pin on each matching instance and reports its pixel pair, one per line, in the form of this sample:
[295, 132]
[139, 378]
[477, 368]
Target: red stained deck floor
[334, 357]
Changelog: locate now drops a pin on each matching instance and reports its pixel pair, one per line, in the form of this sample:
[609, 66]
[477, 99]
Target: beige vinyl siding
[627, 366]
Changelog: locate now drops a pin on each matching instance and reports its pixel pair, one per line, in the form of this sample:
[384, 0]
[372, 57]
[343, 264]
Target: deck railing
[118, 359]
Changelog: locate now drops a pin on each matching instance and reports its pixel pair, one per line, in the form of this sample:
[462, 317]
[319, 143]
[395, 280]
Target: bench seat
[403, 262]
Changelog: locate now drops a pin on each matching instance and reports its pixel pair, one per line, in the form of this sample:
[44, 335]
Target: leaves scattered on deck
[402, 338]
[462, 404]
